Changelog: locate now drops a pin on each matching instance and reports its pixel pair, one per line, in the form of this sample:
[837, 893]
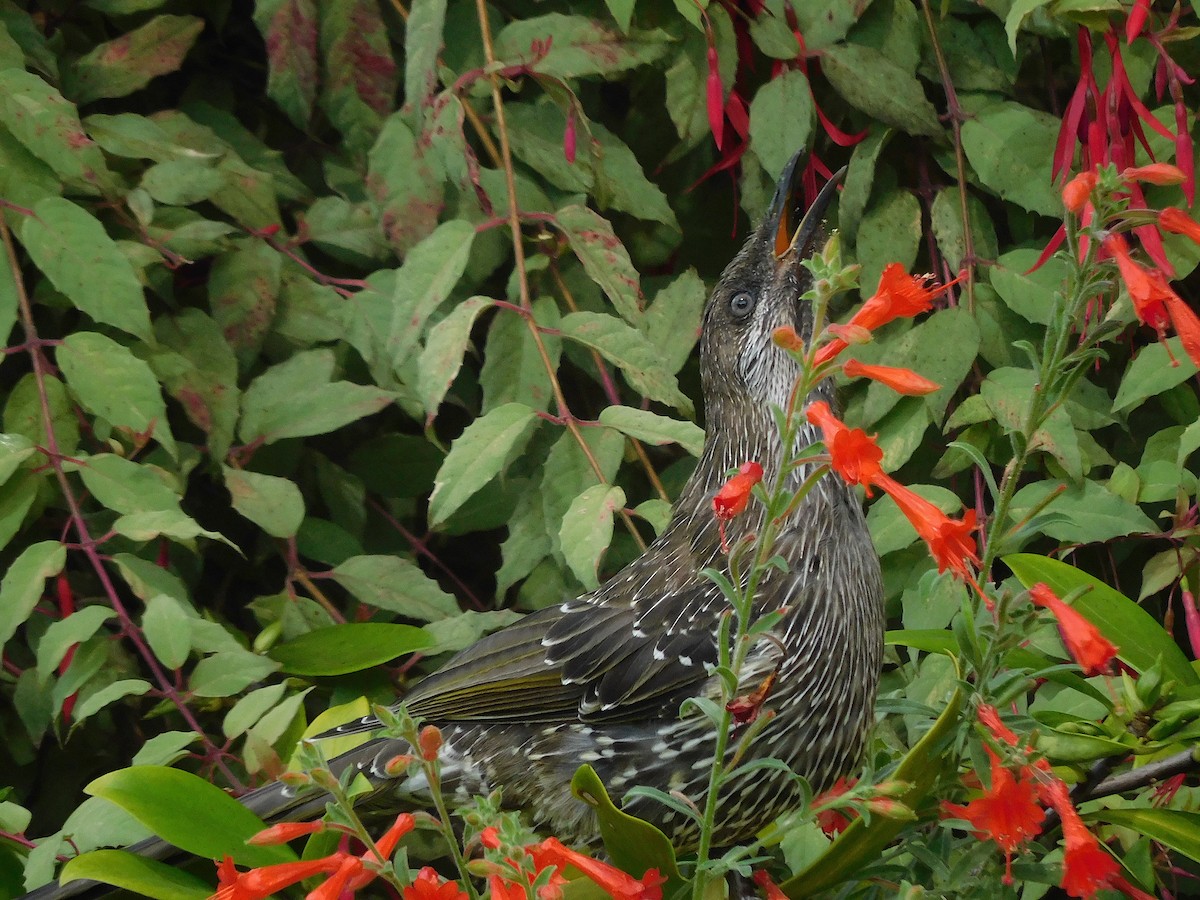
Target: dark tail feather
[272, 803]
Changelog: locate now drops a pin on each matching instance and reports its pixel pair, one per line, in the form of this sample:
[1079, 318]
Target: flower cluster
[1011, 812]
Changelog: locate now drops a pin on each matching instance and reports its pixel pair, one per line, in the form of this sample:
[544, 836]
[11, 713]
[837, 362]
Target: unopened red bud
[296, 779]
[785, 336]
[890, 809]
[284, 832]
[398, 765]
[430, 742]
[490, 837]
[893, 788]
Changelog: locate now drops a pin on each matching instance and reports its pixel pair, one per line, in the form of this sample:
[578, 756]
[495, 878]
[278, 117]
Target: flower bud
[430, 742]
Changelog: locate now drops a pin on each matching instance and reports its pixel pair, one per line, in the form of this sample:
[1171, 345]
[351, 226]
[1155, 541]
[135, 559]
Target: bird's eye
[741, 303]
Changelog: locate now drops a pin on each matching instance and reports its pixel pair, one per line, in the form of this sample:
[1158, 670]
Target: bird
[600, 678]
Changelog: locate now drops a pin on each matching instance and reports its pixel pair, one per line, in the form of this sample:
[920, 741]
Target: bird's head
[759, 291]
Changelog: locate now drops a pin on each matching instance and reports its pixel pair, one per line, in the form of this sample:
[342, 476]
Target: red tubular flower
[1007, 813]
[1177, 221]
[1154, 301]
[505, 890]
[899, 295]
[949, 540]
[1154, 173]
[731, 500]
[1078, 190]
[283, 832]
[989, 717]
[386, 845]
[852, 453]
[902, 381]
[428, 885]
[1192, 616]
[1137, 19]
[769, 888]
[490, 837]
[257, 884]
[1088, 647]
[618, 884]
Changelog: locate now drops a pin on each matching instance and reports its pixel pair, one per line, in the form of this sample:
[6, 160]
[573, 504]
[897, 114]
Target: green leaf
[189, 812]
[578, 46]
[227, 672]
[172, 523]
[167, 627]
[604, 258]
[422, 44]
[946, 220]
[111, 382]
[1011, 147]
[653, 428]
[181, 182]
[860, 843]
[142, 876]
[430, 271]
[622, 184]
[126, 64]
[48, 127]
[243, 291]
[871, 82]
[672, 322]
[1016, 15]
[444, 348]
[479, 454]
[405, 185]
[860, 178]
[1152, 372]
[634, 845]
[568, 472]
[513, 371]
[1141, 641]
[890, 232]
[297, 399]
[395, 584]
[629, 350]
[75, 252]
[781, 118]
[349, 647]
[127, 487]
[1028, 294]
[587, 530]
[272, 503]
[23, 583]
[1007, 392]
[1176, 829]
[289, 31]
[1083, 513]
[64, 634]
[125, 687]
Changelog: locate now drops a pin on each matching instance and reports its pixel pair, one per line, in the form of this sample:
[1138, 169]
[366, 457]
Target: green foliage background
[281, 407]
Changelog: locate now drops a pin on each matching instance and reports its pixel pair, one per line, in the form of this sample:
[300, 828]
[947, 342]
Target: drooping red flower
[257, 884]
[428, 885]
[618, 884]
[950, 540]
[1007, 813]
[1177, 221]
[852, 453]
[1088, 647]
[899, 295]
[1087, 868]
[902, 381]
[1154, 173]
[1078, 191]
[1148, 294]
[734, 495]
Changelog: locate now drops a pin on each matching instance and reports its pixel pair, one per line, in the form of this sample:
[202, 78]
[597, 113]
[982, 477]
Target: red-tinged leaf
[359, 89]
[289, 29]
[125, 64]
[569, 136]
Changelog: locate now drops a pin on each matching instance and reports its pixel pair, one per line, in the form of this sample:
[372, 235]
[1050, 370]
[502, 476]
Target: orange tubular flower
[283, 832]
[1147, 293]
[902, 381]
[899, 295]
[949, 540]
[1155, 173]
[1078, 190]
[734, 495]
[989, 717]
[505, 890]
[1177, 221]
[264, 881]
[1088, 647]
[852, 453]
[335, 884]
[616, 883]
[1007, 813]
[428, 885]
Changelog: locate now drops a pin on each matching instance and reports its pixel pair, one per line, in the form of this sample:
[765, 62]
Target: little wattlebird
[600, 679]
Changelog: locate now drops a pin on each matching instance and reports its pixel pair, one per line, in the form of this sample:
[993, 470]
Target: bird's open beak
[792, 239]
